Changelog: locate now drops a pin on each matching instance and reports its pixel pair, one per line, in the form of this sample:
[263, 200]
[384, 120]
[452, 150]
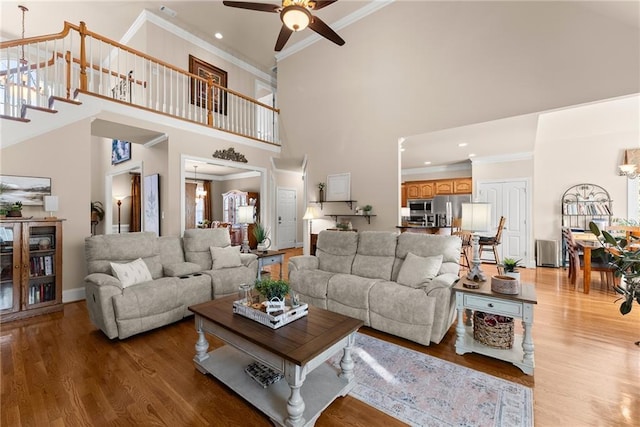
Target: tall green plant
[624, 256]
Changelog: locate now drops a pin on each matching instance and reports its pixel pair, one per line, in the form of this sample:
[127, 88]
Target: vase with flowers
[321, 186]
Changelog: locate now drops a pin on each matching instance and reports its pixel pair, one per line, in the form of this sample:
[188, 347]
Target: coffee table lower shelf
[321, 386]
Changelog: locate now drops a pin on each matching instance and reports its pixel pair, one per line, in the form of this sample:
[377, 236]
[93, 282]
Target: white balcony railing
[35, 71]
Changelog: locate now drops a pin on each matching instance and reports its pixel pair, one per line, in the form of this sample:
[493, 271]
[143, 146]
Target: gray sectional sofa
[179, 272]
[396, 283]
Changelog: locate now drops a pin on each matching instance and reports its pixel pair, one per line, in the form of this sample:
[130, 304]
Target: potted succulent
[262, 236]
[97, 211]
[510, 266]
[624, 255]
[367, 209]
[274, 292]
[15, 210]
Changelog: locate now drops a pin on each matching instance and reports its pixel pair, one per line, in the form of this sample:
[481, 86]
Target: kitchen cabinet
[30, 268]
[403, 195]
[444, 187]
[462, 186]
[427, 190]
[413, 190]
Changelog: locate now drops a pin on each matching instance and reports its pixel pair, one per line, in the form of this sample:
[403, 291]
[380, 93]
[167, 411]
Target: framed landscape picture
[28, 190]
[199, 89]
[120, 151]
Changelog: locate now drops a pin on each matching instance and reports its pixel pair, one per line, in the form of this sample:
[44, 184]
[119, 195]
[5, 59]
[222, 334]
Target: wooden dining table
[587, 244]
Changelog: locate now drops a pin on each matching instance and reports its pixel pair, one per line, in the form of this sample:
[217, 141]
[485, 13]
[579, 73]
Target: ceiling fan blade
[325, 31]
[319, 4]
[261, 7]
[283, 37]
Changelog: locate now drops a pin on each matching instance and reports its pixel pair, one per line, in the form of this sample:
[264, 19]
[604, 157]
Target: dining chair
[576, 262]
[465, 236]
[492, 243]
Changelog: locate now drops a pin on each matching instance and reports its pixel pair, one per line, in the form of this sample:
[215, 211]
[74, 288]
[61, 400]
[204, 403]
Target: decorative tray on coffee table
[274, 322]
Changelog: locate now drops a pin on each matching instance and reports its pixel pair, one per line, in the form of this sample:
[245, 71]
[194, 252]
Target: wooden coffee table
[298, 350]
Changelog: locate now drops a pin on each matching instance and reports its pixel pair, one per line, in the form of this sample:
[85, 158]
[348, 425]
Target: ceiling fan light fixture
[296, 18]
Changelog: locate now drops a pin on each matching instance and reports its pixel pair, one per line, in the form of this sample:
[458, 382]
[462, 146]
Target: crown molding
[146, 16]
[435, 169]
[364, 11]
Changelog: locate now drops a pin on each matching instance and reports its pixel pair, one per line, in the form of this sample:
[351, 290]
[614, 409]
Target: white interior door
[509, 199]
[286, 216]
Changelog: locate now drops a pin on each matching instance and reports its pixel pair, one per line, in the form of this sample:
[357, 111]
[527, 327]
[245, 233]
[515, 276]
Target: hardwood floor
[60, 370]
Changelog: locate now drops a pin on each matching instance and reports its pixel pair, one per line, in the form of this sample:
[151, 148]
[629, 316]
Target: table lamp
[245, 217]
[51, 206]
[476, 217]
[405, 213]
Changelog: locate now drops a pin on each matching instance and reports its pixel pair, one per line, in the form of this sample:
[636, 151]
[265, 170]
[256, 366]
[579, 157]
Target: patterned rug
[422, 390]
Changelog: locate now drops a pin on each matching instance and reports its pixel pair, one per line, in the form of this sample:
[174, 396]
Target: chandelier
[629, 168]
[200, 192]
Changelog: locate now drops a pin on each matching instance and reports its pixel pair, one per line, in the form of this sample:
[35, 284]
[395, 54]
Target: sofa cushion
[335, 250]
[416, 271]
[225, 257]
[312, 285]
[181, 269]
[349, 295]
[131, 273]
[198, 241]
[375, 254]
[426, 245]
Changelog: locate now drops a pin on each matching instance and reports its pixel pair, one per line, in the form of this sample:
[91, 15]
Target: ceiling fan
[295, 16]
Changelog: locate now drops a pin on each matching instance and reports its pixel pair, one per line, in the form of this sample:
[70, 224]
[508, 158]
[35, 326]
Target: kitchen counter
[424, 229]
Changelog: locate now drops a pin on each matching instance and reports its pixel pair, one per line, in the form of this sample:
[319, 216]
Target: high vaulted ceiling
[249, 35]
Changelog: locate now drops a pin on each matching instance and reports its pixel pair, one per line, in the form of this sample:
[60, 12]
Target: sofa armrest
[247, 259]
[443, 281]
[180, 269]
[102, 279]
[303, 262]
[441, 289]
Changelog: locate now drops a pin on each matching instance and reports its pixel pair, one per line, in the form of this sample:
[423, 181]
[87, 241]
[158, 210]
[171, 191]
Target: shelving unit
[348, 202]
[30, 268]
[335, 216]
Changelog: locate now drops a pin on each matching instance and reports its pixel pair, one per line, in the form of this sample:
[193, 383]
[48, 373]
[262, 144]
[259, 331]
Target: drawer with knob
[495, 306]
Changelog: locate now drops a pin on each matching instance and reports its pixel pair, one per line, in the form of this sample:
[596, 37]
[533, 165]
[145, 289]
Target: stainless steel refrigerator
[440, 205]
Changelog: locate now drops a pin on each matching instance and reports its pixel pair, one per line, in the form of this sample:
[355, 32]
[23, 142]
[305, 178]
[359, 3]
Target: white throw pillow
[417, 270]
[228, 256]
[131, 273]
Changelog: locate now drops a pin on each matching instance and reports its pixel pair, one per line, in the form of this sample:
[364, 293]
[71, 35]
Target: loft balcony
[36, 71]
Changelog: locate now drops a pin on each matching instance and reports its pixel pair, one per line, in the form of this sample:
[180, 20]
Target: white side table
[269, 258]
[517, 306]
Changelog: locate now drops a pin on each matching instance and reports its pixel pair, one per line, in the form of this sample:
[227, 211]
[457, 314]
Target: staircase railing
[34, 71]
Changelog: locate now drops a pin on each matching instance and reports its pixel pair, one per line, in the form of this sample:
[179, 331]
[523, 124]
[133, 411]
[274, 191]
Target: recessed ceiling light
[472, 155]
[462, 144]
[218, 35]
[427, 163]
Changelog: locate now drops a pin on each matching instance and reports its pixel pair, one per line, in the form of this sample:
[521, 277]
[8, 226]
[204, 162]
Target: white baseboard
[71, 295]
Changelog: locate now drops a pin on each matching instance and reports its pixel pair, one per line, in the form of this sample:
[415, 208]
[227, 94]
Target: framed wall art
[28, 190]
[152, 203]
[339, 187]
[120, 151]
[199, 89]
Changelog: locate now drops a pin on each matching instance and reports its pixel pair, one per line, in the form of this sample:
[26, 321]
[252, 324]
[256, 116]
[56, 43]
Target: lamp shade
[51, 203]
[245, 214]
[476, 216]
[310, 213]
[405, 211]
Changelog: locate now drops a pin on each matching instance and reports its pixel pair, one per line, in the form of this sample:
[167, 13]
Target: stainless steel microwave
[420, 206]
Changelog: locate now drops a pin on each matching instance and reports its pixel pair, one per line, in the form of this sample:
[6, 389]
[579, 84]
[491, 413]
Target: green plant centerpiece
[261, 233]
[511, 265]
[97, 211]
[624, 256]
[15, 210]
[274, 291]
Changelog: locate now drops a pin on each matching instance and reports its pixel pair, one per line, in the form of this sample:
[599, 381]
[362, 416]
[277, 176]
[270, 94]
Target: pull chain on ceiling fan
[295, 16]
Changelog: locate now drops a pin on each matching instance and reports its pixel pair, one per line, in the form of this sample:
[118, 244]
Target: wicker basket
[493, 330]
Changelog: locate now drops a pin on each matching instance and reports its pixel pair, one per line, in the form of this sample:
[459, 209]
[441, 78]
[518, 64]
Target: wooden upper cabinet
[427, 190]
[403, 195]
[444, 187]
[413, 190]
[462, 186]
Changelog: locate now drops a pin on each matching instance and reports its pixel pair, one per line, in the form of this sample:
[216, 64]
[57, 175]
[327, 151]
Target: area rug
[422, 390]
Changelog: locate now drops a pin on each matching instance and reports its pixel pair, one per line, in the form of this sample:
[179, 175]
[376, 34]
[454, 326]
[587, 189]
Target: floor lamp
[119, 202]
[310, 214]
[245, 217]
[476, 217]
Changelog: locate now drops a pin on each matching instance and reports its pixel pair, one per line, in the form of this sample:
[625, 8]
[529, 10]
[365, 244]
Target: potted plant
[367, 209]
[510, 266]
[321, 186]
[262, 236]
[15, 210]
[274, 292]
[97, 211]
[624, 255]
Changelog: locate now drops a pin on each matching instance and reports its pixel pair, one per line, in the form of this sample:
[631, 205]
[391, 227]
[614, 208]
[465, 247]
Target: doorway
[510, 199]
[118, 188]
[286, 213]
